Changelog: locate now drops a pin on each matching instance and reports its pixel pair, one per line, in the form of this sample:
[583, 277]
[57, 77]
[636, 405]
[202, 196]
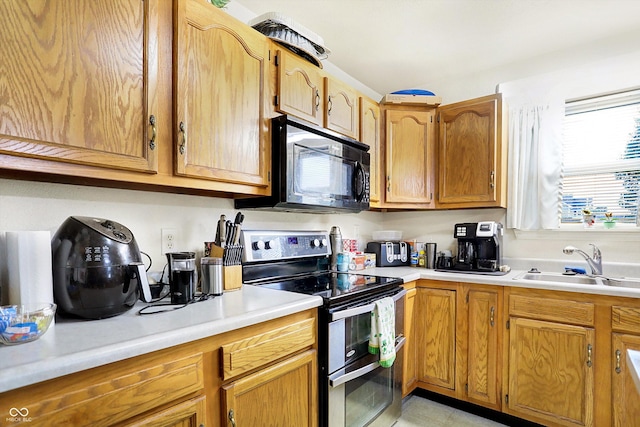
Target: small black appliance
[97, 268]
[479, 247]
[315, 170]
[390, 254]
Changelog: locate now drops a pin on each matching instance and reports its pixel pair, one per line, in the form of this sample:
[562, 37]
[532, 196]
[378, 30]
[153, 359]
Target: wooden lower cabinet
[284, 394]
[484, 340]
[186, 414]
[551, 373]
[409, 375]
[435, 331]
[272, 381]
[625, 397]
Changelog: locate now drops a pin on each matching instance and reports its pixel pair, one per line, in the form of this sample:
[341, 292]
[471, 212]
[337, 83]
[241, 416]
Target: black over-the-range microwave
[314, 170]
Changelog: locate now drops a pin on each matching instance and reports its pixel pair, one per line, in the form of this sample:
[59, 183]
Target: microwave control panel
[276, 245]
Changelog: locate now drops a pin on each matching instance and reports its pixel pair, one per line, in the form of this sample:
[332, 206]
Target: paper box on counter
[369, 260]
[357, 261]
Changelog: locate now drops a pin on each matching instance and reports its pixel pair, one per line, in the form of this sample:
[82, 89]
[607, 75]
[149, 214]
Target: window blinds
[601, 157]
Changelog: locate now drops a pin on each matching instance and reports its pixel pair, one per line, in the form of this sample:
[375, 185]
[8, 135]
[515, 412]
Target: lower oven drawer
[366, 394]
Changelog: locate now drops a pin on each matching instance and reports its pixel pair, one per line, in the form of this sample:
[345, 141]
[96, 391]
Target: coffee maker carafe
[479, 246]
[183, 276]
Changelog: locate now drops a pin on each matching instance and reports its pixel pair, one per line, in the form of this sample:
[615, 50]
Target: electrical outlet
[169, 240]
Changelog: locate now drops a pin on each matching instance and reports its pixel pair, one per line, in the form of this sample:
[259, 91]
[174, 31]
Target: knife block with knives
[227, 246]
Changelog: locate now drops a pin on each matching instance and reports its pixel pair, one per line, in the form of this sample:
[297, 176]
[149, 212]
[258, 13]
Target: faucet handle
[596, 252]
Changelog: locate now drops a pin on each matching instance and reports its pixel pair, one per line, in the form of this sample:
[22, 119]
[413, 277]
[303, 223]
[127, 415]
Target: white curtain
[535, 162]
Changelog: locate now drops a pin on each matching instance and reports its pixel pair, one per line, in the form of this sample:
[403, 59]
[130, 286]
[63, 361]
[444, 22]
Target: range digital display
[292, 240]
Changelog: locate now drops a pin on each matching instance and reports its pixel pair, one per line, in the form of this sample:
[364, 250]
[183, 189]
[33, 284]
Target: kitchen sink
[580, 279]
[624, 282]
[563, 278]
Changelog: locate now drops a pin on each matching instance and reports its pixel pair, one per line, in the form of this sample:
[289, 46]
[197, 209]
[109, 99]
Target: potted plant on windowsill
[219, 3]
[609, 221]
[588, 218]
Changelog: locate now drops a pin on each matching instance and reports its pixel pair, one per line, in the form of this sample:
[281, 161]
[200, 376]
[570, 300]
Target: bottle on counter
[335, 238]
[422, 259]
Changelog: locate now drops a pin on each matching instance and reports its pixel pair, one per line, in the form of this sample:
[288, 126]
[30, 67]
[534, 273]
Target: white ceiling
[399, 44]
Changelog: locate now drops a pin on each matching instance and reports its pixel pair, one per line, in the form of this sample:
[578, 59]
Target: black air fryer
[97, 268]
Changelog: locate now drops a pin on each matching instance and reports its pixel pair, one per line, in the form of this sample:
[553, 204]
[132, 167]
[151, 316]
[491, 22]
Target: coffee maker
[479, 246]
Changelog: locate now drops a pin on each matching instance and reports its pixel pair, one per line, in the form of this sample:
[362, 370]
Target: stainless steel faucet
[595, 262]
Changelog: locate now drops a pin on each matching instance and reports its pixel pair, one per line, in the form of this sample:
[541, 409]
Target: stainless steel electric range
[354, 389]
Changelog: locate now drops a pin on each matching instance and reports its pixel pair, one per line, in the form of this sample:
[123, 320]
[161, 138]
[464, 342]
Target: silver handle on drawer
[400, 340]
[350, 312]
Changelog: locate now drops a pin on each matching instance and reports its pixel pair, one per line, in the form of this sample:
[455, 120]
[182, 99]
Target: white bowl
[387, 235]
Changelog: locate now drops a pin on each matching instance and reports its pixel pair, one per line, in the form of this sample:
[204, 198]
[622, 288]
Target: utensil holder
[231, 263]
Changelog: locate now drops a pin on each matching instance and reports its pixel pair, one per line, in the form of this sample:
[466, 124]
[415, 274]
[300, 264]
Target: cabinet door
[626, 399]
[220, 78]
[300, 88]
[551, 371]
[284, 395]
[341, 108]
[484, 323]
[409, 157]
[409, 377]
[370, 127]
[78, 82]
[470, 154]
[187, 414]
[435, 329]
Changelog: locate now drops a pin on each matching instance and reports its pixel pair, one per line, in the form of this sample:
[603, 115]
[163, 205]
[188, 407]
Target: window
[601, 158]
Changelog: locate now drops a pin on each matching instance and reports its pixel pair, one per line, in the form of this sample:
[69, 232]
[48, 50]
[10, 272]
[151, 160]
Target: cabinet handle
[152, 122]
[492, 179]
[589, 352]
[183, 131]
[388, 183]
[492, 313]
[329, 105]
[618, 354]
[232, 418]
[317, 100]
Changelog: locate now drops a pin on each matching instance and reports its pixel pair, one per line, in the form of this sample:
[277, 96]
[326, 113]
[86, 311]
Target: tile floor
[420, 412]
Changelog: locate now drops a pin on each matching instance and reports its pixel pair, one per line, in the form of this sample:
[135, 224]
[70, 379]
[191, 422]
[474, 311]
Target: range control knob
[323, 243]
[258, 246]
[315, 243]
[270, 244]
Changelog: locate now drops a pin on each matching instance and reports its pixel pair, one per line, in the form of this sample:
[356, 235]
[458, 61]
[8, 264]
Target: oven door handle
[335, 382]
[355, 311]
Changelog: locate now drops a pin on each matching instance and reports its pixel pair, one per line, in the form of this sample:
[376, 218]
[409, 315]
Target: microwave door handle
[335, 382]
[355, 311]
[359, 182]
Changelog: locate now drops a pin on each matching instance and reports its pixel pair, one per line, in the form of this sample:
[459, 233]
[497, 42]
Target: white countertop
[409, 274]
[75, 345]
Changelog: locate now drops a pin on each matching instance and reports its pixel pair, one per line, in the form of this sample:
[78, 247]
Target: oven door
[366, 394]
[348, 331]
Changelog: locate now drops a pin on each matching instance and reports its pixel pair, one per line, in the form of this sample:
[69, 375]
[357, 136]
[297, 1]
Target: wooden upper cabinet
[341, 108]
[220, 96]
[300, 88]
[370, 129]
[472, 154]
[78, 82]
[409, 157]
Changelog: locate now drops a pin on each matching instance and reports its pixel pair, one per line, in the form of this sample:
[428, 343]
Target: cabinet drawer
[625, 319]
[97, 398]
[581, 313]
[258, 350]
